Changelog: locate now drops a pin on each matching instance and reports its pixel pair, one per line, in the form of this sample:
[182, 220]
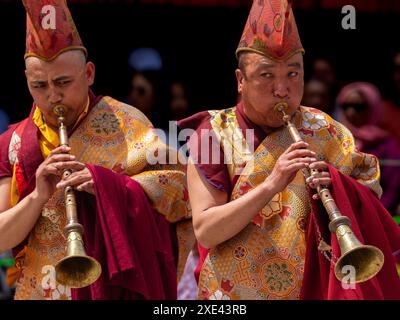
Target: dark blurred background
[197, 42]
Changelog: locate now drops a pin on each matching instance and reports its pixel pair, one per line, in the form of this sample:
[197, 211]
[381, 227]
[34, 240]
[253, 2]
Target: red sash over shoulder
[130, 240]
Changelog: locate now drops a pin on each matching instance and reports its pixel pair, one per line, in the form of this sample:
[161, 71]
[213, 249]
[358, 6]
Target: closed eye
[38, 85]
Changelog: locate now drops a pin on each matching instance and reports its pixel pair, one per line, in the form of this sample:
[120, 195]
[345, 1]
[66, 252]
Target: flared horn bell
[77, 269]
[366, 260]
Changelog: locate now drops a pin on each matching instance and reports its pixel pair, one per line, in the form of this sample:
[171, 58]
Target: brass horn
[366, 260]
[76, 269]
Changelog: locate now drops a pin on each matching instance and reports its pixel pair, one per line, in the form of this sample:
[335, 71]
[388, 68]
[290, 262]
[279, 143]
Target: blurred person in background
[5, 258]
[4, 121]
[179, 105]
[391, 116]
[6, 261]
[187, 286]
[360, 109]
[318, 95]
[148, 85]
[146, 95]
[323, 70]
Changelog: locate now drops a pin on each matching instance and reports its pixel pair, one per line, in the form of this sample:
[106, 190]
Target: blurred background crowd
[173, 58]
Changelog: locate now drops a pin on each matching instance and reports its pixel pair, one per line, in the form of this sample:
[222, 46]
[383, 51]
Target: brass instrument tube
[367, 260]
[76, 269]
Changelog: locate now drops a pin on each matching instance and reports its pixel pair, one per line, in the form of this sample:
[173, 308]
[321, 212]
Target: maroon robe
[129, 238]
[372, 224]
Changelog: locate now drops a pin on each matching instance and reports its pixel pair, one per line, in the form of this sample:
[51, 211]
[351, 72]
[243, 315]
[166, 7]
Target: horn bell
[367, 260]
[77, 269]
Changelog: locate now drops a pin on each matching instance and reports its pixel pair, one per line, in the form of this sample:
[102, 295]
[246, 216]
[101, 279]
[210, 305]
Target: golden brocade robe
[266, 259]
[118, 137]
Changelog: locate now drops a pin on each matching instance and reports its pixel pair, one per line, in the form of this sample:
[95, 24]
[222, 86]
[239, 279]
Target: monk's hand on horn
[295, 158]
[50, 171]
[321, 178]
[80, 180]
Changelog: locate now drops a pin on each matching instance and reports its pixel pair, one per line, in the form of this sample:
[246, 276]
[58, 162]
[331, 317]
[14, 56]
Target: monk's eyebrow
[38, 82]
[295, 65]
[264, 65]
[62, 78]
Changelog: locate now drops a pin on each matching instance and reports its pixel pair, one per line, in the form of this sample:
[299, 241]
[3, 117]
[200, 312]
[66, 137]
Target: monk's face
[263, 83]
[65, 80]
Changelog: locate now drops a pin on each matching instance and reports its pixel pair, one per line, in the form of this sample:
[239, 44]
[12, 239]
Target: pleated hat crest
[50, 29]
[271, 30]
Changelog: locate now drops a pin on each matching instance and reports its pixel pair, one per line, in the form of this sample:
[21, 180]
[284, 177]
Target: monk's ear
[90, 72]
[239, 78]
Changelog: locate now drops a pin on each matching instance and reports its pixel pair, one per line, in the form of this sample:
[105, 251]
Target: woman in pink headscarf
[360, 110]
